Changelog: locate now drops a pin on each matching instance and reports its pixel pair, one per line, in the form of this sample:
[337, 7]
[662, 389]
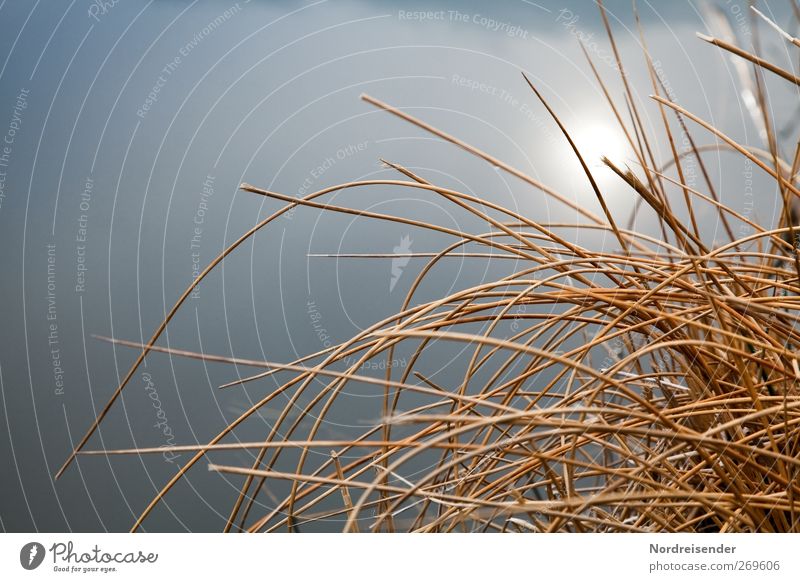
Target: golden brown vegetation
[650, 387]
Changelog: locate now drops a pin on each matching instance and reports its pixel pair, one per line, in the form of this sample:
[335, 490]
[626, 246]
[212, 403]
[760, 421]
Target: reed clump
[650, 386]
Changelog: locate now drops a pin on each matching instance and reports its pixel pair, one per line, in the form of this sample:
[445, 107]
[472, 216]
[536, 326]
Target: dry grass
[649, 387]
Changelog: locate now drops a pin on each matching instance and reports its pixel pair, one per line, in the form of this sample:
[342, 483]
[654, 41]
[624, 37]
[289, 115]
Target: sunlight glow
[595, 140]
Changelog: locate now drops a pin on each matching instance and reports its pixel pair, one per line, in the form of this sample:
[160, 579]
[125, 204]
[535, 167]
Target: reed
[650, 386]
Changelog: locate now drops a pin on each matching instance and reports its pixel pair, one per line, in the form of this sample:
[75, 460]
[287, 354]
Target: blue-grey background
[268, 93]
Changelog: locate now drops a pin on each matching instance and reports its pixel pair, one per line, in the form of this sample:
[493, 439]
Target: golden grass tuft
[649, 387]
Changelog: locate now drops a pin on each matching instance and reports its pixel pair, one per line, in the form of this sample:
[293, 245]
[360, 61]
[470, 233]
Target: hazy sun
[595, 140]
